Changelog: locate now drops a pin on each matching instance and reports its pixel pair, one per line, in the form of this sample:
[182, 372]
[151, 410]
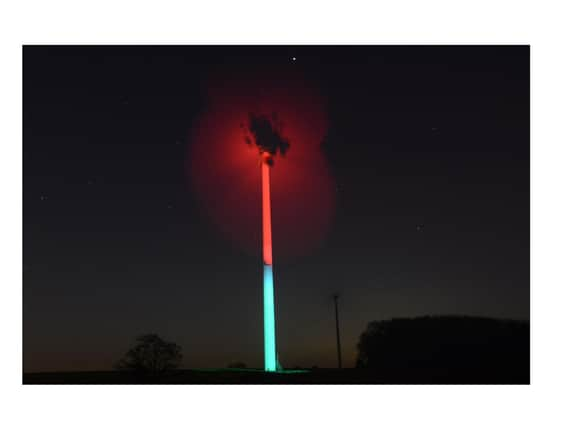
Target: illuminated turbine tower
[264, 131]
[268, 288]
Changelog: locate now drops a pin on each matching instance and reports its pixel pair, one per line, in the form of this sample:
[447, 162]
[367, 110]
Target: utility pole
[335, 298]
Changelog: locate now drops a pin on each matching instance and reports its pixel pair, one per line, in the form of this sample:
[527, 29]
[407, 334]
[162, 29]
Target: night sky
[428, 148]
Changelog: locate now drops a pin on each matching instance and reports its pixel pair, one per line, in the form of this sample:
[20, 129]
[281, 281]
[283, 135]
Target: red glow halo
[225, 172]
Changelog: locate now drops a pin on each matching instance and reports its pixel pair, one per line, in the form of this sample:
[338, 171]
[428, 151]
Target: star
[293, 58]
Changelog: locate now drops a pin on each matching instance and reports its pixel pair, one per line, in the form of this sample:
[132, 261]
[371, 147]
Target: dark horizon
[428, 148]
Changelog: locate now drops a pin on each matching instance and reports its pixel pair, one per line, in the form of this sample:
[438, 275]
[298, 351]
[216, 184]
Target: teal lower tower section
[270, 364]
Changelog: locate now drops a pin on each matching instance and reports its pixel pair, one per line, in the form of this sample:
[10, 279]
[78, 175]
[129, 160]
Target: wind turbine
[265, 132]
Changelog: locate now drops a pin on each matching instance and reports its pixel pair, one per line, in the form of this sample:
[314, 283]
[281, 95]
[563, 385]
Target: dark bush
[447, 349]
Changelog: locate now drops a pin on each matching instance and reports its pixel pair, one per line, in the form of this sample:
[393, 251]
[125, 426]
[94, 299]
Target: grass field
[257, 376]
[195, 376]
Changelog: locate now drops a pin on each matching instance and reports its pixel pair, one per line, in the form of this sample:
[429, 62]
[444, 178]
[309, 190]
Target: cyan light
[269, 322]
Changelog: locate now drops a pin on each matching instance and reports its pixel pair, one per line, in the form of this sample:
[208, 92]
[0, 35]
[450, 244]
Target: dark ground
[250, 376]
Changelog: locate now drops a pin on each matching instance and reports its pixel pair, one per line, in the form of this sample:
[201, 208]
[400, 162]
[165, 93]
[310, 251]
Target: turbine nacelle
[266, 133]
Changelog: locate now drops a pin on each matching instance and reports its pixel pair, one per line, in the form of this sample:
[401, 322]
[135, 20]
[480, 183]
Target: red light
[266, 223]
[224, 173]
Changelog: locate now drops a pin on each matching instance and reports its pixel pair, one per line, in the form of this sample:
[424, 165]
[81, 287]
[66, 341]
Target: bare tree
[151, 354]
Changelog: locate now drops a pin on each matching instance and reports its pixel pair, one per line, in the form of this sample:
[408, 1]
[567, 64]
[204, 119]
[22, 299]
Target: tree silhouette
[447, 349]
[151, 355]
